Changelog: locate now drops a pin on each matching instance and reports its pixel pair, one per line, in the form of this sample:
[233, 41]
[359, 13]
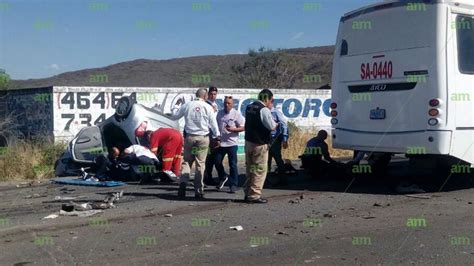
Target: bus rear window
[465, 33]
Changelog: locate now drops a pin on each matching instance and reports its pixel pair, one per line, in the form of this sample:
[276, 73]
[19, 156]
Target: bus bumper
[420, 142]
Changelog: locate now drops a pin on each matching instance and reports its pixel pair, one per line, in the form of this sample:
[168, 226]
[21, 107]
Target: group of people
[211, 134]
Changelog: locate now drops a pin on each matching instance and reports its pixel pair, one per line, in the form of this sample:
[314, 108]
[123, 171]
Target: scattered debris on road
[80, 213]
[237, 228]
[168, 215]
[60, 198]
[51, 216]
[419, 196]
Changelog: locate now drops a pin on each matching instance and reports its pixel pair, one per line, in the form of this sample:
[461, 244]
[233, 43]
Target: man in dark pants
[230, 123]
[312, 159]
[211, 155]
[279, 140]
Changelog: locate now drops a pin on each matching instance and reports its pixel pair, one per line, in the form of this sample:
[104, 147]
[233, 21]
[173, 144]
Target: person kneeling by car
[168, 143]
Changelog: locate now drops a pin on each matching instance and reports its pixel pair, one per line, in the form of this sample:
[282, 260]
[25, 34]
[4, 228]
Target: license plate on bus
[377, 113]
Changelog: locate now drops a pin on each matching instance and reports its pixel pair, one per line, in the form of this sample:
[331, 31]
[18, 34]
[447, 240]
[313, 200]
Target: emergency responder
[259, 124]
[167, 143]
[316, 149]
[230, 123]
[199, 121]
[211, 155]
[279, 140]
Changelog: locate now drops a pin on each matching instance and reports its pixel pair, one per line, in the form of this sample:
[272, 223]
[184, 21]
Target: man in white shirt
[199, 122]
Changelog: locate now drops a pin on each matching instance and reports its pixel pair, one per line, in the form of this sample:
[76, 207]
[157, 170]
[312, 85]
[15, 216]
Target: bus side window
[344, 48]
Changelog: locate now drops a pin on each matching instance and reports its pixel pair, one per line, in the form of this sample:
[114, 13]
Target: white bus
[403, 77]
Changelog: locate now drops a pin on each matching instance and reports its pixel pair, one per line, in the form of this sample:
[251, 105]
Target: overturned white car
[116, 131]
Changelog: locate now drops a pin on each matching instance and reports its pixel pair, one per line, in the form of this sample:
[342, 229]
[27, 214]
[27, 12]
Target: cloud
[297, 36]
[54, 66]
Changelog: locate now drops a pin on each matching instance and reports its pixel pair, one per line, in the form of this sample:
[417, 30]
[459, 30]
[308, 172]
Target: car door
[87, 145]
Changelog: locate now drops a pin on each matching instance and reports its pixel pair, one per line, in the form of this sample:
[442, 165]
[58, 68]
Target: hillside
[183, 72]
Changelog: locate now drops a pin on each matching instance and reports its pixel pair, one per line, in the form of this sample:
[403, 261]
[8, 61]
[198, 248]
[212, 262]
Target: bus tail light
[432, 121]
[333, 113]
[333, 105]
[433, 112]
[434, 102]
[334, 121]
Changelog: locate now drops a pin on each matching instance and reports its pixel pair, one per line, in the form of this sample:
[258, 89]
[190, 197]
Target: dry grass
[299, 138]
[29, 160]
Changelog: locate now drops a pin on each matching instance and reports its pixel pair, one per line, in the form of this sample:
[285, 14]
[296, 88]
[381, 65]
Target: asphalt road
[336, 220]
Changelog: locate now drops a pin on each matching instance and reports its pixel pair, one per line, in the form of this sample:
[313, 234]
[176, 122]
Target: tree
[268, 69]
[4, 79]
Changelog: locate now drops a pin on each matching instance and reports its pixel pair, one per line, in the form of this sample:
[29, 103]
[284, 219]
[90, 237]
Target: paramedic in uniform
[168, 143]
[259, 124]
[199, 121]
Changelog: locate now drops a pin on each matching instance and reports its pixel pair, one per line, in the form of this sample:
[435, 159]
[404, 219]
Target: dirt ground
[335, 220]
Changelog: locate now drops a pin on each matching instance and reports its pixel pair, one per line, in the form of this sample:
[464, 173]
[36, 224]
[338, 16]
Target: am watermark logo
[416, 222]
[146, 97]
[311, 6]
[3, 151]
[259, 24]
[146, 241]
[98, 6]
[460, 169]
[200, 79]
[43, 169]
[416, 78]
[99, 222]
[43, 241]
[201, 222]
[43, 97]
[461, 25]
[257, 168]
[312, 78]
[201, 6]
[313, 151]
[460, 97]
[146, 168]
[256, 241]
[361, 169]
[362, 97]
[43, 25]
[312, 222]
[98, 78]
[416, 7]
[361, 241]
[416, 150]
[4, 6]
[145, 24]
[198, 150]
[96, 150]
[4, 222]
[460, 241]
[362, 25]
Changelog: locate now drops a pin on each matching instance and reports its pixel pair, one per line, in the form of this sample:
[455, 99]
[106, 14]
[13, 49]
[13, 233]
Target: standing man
[279, 140]
[211, 155]
[230, 123]
[258, 134]
[199, 122]
[168, 143]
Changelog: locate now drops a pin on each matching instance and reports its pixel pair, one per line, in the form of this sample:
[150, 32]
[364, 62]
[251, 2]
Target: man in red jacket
[168, 143]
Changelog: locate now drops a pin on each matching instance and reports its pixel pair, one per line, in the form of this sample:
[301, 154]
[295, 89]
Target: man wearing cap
[259, 124]
[199, 122]
[211, 155]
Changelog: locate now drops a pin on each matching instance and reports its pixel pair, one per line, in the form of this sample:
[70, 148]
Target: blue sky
[44, 38]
